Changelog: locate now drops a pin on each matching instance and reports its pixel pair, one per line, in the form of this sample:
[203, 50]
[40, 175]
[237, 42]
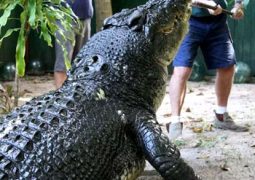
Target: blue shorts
[212, 35]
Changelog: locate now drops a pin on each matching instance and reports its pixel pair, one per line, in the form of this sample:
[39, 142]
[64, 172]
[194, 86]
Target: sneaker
[225, 121]
[174, 130]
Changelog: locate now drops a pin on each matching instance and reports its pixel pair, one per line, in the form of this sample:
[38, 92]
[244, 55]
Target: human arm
[237, 10]
[210, 5]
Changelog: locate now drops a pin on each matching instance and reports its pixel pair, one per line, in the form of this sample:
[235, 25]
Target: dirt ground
[214, 154]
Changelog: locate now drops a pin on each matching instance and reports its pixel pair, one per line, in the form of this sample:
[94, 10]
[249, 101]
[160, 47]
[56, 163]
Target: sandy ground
[214, 154]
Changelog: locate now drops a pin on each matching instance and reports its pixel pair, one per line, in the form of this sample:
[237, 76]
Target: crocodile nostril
[95, 59]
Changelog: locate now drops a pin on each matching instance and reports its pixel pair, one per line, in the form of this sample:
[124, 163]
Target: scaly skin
[101, 123]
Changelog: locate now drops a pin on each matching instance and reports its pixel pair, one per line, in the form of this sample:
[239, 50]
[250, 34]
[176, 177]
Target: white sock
[175, 119]
[221, 109]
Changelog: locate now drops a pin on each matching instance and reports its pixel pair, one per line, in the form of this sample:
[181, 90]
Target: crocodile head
[166, 24]
[163, 22]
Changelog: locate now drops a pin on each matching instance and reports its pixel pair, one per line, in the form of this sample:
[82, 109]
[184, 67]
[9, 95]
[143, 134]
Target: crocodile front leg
[163, 155]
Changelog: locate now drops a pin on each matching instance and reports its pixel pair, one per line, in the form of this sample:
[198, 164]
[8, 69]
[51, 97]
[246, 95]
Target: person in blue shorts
[83, 9]
[208, 30]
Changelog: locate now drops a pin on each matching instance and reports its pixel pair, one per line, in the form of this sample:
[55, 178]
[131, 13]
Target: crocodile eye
[167, 30]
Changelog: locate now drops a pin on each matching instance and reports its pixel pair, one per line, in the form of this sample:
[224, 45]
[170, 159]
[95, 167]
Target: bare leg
[177, 88]
[59, 78]
[223, 84]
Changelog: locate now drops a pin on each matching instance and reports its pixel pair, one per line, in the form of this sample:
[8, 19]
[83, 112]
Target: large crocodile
[101, 123]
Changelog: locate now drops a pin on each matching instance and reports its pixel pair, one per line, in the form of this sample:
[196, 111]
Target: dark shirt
[82, 8]
[200, 12]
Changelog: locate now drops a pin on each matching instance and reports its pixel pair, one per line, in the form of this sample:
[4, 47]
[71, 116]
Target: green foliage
[39, 15]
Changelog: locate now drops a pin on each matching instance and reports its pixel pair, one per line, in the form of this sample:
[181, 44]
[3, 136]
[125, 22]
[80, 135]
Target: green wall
[243, 34]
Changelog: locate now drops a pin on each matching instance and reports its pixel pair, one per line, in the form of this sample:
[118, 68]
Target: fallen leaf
[197, 129]
[208, 127]
[199, 119]
[36, 81]
[27, 91]
[179, 142]
[167, 115]
[197, 144]
[190, 90]
[188, 110]
[224, 167]
[204, 141]
[192, 119]
[203, 157]
[22, 93]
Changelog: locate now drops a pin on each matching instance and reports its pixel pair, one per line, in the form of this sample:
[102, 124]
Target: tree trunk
[103, 9]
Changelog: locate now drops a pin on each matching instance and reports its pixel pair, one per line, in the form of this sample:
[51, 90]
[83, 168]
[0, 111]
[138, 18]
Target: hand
[237, 11]
[217, 11]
